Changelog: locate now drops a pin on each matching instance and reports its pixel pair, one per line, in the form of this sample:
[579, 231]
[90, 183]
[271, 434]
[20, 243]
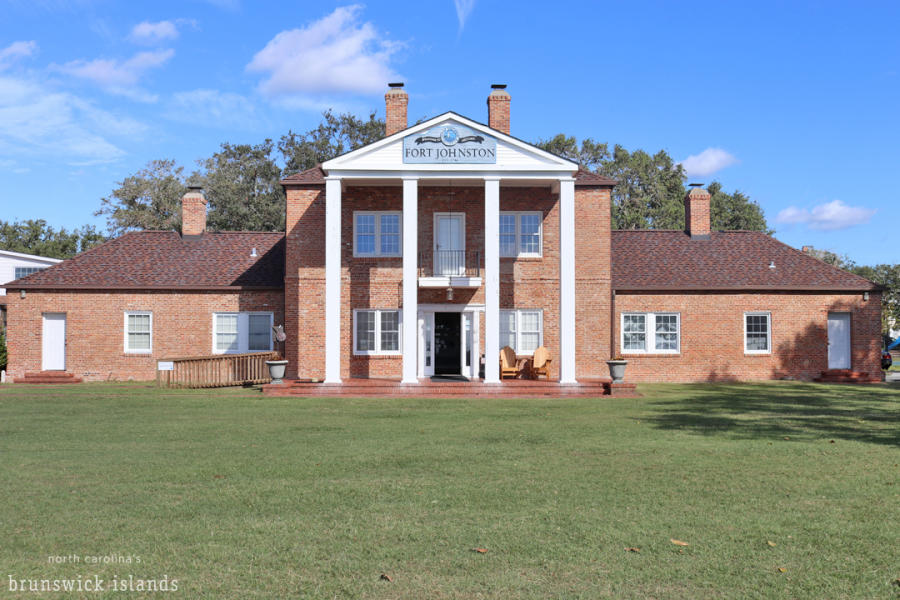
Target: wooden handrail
[217, 370]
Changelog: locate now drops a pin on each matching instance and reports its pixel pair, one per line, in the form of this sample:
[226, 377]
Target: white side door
[53, 342]
[838, 340]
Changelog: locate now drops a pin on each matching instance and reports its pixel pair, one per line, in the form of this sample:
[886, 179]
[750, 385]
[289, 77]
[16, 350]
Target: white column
[567, 281]
[492, 280]
[332, 280]
[410, 279]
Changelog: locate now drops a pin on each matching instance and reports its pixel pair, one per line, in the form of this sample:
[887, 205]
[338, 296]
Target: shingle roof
[316, 176]
[164, 260]
[585, 177]
[728, 260]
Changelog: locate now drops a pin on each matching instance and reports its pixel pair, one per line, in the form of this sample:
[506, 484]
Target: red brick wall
[712, 335]
[593, 275]
[182, 326]
[377, 282]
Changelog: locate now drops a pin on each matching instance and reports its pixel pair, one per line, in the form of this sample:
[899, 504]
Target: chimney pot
[193, 212]
[395, 103]
[498, 108]
[696, 213]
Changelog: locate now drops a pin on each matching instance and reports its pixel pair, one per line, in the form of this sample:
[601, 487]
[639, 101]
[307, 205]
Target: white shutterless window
[376, 332]
[650, 333]
[377, 234]
[522, 330]
[758, 333]
[521, 234]
[240, 332]
[138, 332]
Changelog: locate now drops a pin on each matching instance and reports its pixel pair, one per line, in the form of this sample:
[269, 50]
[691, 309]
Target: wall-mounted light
[21, 293]
[866, 296]
[449, 293]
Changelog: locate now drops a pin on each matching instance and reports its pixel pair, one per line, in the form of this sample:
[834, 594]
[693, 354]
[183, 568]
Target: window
[376, 234]
[656, 333]
[522, 330]
[520, 233]
[23, 271]
[138, 332]
[241, 332]
[758, 333]
[376, 332]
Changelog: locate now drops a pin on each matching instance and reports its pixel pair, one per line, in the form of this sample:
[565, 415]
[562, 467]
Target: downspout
[612, 327]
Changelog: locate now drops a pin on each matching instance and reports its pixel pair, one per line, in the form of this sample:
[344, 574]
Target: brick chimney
[498, 108]
[696, 213]
[395, 101]
[193, 212]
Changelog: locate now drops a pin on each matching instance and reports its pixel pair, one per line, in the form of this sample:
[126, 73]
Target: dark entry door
[446, 344]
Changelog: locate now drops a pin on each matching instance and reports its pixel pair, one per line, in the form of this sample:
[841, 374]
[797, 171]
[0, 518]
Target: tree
[2, 347]
[650, 193]
[334, 136]
[34, 236]
[735, 211]
[241, 183]
[149, 199]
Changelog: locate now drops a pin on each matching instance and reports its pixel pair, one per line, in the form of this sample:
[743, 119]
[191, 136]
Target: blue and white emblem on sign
[450, 142]
[449, 136]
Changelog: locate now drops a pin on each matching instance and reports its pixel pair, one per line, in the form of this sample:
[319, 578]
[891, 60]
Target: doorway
[449, 244]
[838, 340]
[447, 340]
[53, 342]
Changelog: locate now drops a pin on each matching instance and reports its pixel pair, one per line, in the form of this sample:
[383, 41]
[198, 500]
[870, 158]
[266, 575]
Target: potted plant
[617, 369]
[277, 367]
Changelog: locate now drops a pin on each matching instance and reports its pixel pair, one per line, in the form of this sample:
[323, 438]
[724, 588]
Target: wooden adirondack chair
[540, 364]
[509, 365]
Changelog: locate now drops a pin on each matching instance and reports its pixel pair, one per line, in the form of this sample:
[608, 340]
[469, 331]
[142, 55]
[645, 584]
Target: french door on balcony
[449, 244]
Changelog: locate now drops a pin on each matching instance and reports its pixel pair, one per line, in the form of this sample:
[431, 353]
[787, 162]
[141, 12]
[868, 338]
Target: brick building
[426, 251]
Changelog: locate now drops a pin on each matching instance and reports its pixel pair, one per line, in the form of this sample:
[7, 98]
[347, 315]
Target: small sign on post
[165, 365]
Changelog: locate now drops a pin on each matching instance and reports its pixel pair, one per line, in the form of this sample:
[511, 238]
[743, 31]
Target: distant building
[15, 265]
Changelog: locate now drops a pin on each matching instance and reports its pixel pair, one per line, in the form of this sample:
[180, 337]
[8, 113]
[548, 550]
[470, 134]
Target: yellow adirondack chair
[509, 365]
[540, 364]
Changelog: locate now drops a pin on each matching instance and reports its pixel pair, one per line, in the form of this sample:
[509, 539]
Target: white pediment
[449, 143]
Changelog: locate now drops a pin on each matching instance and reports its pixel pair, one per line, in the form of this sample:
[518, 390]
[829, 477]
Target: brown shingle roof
[314, 176]
[585, 177]
[729, 260]
[163, 260]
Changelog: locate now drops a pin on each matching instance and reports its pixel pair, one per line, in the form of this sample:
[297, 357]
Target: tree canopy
[34, 236]
[650, 193]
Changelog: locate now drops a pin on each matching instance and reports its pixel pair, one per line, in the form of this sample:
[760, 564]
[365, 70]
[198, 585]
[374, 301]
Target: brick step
[48, 377]
[386, 388]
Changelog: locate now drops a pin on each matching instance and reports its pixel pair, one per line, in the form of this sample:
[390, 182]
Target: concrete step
[48, 377]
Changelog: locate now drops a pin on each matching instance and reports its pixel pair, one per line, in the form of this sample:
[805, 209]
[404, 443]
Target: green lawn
[240, 496]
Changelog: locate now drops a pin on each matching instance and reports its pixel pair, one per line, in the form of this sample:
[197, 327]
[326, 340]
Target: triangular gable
[449, 142]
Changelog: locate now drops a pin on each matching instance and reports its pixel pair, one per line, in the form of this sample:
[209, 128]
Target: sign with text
[165, 365]
[450, 143]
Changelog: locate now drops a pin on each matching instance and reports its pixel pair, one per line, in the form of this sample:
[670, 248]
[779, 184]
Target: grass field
[781, 490]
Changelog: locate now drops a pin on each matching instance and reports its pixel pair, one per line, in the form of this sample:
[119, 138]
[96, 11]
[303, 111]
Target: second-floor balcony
[450, 268]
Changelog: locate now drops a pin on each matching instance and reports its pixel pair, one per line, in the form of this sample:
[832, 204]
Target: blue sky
[795, 104]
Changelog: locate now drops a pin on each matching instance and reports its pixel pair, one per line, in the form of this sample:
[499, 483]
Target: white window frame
[518, 216]
[378, 351]
[243, 331]
[378, 215]
[518, 324]
[759, 313]
[650, 332]
[125, 328]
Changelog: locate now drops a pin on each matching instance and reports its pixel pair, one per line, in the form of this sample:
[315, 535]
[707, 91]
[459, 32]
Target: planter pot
[276, 369]
[617, 370]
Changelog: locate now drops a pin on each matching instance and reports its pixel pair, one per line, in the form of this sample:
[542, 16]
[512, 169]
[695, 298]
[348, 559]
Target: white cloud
[463, 10]
[334, 54]
[707, 162]
[41, 122]
[118, 77]
[826, 217]
[153, 33]
[212, 108]
[15, 51]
